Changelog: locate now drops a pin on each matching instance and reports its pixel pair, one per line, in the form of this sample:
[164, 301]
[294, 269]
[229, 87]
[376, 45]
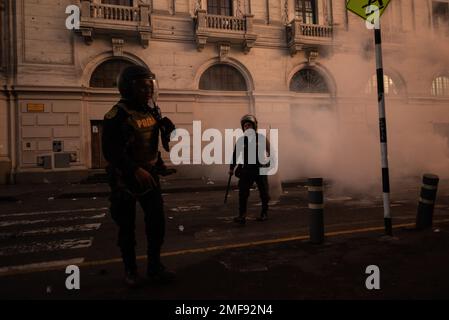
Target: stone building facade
[215, 61]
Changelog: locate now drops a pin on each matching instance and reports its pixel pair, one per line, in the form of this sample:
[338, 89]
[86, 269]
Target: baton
[227, 188]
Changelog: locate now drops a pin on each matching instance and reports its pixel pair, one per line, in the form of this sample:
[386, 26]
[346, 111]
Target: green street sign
[359, 7]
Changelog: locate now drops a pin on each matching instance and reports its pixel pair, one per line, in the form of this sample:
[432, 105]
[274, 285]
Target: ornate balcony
[217, 28]
[307, 36]
[105, 18]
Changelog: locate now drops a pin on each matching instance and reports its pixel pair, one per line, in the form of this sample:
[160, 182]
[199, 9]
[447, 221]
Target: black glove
[167, 127]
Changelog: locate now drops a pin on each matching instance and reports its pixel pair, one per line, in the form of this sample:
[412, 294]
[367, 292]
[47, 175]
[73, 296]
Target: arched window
[222, 77]
[440, 86]
[309, 81]
[390, 87]
[105, 76]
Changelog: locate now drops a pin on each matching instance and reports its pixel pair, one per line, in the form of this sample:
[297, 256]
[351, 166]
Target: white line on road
[46, 264]
[66, 244]
[51, 230]
[26, 222]
[21, 214]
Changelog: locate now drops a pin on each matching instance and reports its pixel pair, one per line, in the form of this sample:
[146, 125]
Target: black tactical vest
[144, 137]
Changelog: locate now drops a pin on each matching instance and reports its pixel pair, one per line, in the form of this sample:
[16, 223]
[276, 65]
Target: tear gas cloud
[338, 138]
[340, 141]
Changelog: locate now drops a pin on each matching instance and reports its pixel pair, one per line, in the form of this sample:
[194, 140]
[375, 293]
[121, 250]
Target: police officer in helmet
[130, 143]
[249, 172]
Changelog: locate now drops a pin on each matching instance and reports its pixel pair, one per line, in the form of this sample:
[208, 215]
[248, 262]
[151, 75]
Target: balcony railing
[300, 35]
[315, 31]
[104, 18]
[217, 28]
[225, 23]
[112, 12]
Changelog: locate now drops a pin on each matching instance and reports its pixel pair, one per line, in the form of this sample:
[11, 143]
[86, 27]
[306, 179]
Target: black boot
[264, 213]
[132, 279]
[241, 219]
[158, 274]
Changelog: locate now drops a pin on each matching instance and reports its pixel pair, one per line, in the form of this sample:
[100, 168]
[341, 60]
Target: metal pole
[427, 199]
[316, 208]
[383, 131]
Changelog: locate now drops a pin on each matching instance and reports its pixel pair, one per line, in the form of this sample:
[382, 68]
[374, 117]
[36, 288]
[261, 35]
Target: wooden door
[98, 160]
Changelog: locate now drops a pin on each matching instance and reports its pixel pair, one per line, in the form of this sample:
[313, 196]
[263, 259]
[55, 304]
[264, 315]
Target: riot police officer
[248, 172]
[130, 141]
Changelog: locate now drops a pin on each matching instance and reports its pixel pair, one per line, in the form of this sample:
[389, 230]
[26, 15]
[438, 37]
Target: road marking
[186, 209]
[65, 244]
[26, 222]
[224, 247]
[40, 265]
[51, 230]
[36, 213]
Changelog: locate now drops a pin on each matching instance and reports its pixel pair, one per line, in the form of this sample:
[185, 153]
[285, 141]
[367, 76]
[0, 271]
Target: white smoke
[340, 142]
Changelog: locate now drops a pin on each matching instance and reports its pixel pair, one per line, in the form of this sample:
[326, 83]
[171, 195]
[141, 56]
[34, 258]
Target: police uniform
[130, 140]
[249, 173]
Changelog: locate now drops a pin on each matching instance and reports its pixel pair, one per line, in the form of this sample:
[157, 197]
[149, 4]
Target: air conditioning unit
[44, 161]
[62, 160]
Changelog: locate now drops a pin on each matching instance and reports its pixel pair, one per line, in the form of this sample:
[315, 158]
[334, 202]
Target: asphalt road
[214, 258]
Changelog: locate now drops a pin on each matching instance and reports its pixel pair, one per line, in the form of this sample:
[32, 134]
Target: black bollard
[316, 206]
[426, 204]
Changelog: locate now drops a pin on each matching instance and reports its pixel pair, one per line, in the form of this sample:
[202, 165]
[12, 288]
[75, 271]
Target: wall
[54, 66]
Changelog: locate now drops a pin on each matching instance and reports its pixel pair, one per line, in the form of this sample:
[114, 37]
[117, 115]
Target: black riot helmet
[132, 73]
[249, 118]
